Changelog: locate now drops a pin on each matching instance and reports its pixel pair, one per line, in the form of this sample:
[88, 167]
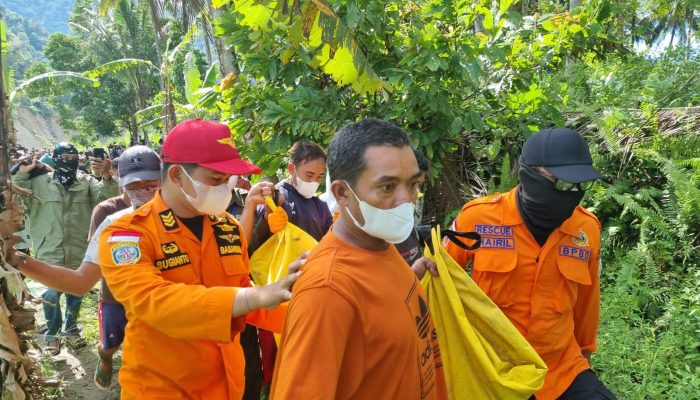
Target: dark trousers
[253, 366]
[586, 386]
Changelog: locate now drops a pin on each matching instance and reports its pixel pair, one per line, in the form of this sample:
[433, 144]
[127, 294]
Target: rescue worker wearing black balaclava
[66, 159]
[548, 193]
[59, 218]
[539, 259]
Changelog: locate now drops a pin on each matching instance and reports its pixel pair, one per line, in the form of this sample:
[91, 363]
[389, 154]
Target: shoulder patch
[581, 240]
[126, 253]
[124, 236]
[169, 220]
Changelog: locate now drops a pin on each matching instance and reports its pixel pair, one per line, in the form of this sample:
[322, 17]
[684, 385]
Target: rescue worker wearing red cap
[539, 259]
[179, 265]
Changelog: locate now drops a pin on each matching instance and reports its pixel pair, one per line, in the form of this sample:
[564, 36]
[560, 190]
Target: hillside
[36, 131]
[53, 14]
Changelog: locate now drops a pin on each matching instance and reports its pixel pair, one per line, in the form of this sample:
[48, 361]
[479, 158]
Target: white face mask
[306, 189]
[210, 200]
[394, 225]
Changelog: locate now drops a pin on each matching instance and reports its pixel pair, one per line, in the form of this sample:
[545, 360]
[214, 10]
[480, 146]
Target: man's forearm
[76, 282]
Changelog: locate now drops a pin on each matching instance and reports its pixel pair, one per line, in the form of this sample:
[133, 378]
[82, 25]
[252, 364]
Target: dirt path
[75, 368]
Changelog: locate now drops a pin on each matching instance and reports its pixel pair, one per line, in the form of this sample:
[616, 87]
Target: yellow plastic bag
[270, 261]
[484, 355]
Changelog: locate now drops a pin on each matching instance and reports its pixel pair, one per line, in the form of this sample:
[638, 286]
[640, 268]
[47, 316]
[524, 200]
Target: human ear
[340, 192]
[175, 174]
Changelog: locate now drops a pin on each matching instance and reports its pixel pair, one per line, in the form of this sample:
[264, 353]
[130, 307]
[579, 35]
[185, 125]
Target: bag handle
[454, 237]
[270, 203]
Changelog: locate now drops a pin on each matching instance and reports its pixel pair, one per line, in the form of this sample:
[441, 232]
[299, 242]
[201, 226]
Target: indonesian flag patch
[125, 250]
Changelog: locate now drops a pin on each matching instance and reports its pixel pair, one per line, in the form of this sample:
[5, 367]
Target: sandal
[75, 342]
[101, 381]
[53, 347]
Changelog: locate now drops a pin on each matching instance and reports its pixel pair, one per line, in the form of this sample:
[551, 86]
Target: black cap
[563, 152]
[64, 148]
[138, 163]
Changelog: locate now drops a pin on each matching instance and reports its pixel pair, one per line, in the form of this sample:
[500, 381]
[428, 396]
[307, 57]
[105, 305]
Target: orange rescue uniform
[551, 293]
[178, 292]
[358, 328]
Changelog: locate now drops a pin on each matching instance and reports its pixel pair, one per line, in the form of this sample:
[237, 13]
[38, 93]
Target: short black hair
[166, 165]
[422, 160]
[304, 150]
[346, 153]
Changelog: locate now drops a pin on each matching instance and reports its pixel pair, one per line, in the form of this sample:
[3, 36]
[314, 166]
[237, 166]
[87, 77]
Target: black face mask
[542, 207]
[66, 172]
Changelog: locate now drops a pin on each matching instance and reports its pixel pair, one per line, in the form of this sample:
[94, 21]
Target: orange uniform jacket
[181, 341]
[551, 293]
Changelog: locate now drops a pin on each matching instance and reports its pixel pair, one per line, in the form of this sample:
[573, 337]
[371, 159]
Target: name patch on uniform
[168, 219]
[126, 253]
[497, 242]
[496, 236]
[173, 257]
[574, 252]
[494, 230]
[228, 239]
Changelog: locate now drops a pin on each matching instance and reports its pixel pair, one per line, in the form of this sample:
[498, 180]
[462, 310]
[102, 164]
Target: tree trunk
[165, 85]
[207, 49]
[479, 21]
[227, 62]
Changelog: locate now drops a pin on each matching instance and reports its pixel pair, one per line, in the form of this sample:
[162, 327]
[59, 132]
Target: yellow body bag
[484, 355]
[270, 261]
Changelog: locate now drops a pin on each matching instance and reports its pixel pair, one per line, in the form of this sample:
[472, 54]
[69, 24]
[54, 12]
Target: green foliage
[116, 50]
[24, 40]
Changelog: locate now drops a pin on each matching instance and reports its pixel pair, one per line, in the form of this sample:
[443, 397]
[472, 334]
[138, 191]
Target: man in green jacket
[59, 219]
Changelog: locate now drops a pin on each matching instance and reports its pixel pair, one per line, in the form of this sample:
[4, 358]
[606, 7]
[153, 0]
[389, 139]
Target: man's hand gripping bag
[484, 355]
[270, 261]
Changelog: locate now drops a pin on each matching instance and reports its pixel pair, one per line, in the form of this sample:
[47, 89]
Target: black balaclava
[542, 207]
[66, 171]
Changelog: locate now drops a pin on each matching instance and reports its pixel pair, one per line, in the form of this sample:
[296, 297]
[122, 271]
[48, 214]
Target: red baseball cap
[208, 144]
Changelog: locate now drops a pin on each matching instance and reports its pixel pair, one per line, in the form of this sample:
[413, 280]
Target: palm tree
[674, 21]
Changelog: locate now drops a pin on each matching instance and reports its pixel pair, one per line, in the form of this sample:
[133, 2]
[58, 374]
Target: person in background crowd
[139, 178]
[412, 248]
[47, 159]
[358, 326]
[179, 266]
[59, 219]
[539, 259]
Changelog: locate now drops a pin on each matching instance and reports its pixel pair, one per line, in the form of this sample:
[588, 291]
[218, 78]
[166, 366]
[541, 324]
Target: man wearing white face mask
[307, 167]
[179, 265]
[358, 326]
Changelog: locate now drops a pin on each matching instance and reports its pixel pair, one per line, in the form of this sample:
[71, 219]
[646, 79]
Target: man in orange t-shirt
[179, 265]
[539, 259]
[358, 326]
